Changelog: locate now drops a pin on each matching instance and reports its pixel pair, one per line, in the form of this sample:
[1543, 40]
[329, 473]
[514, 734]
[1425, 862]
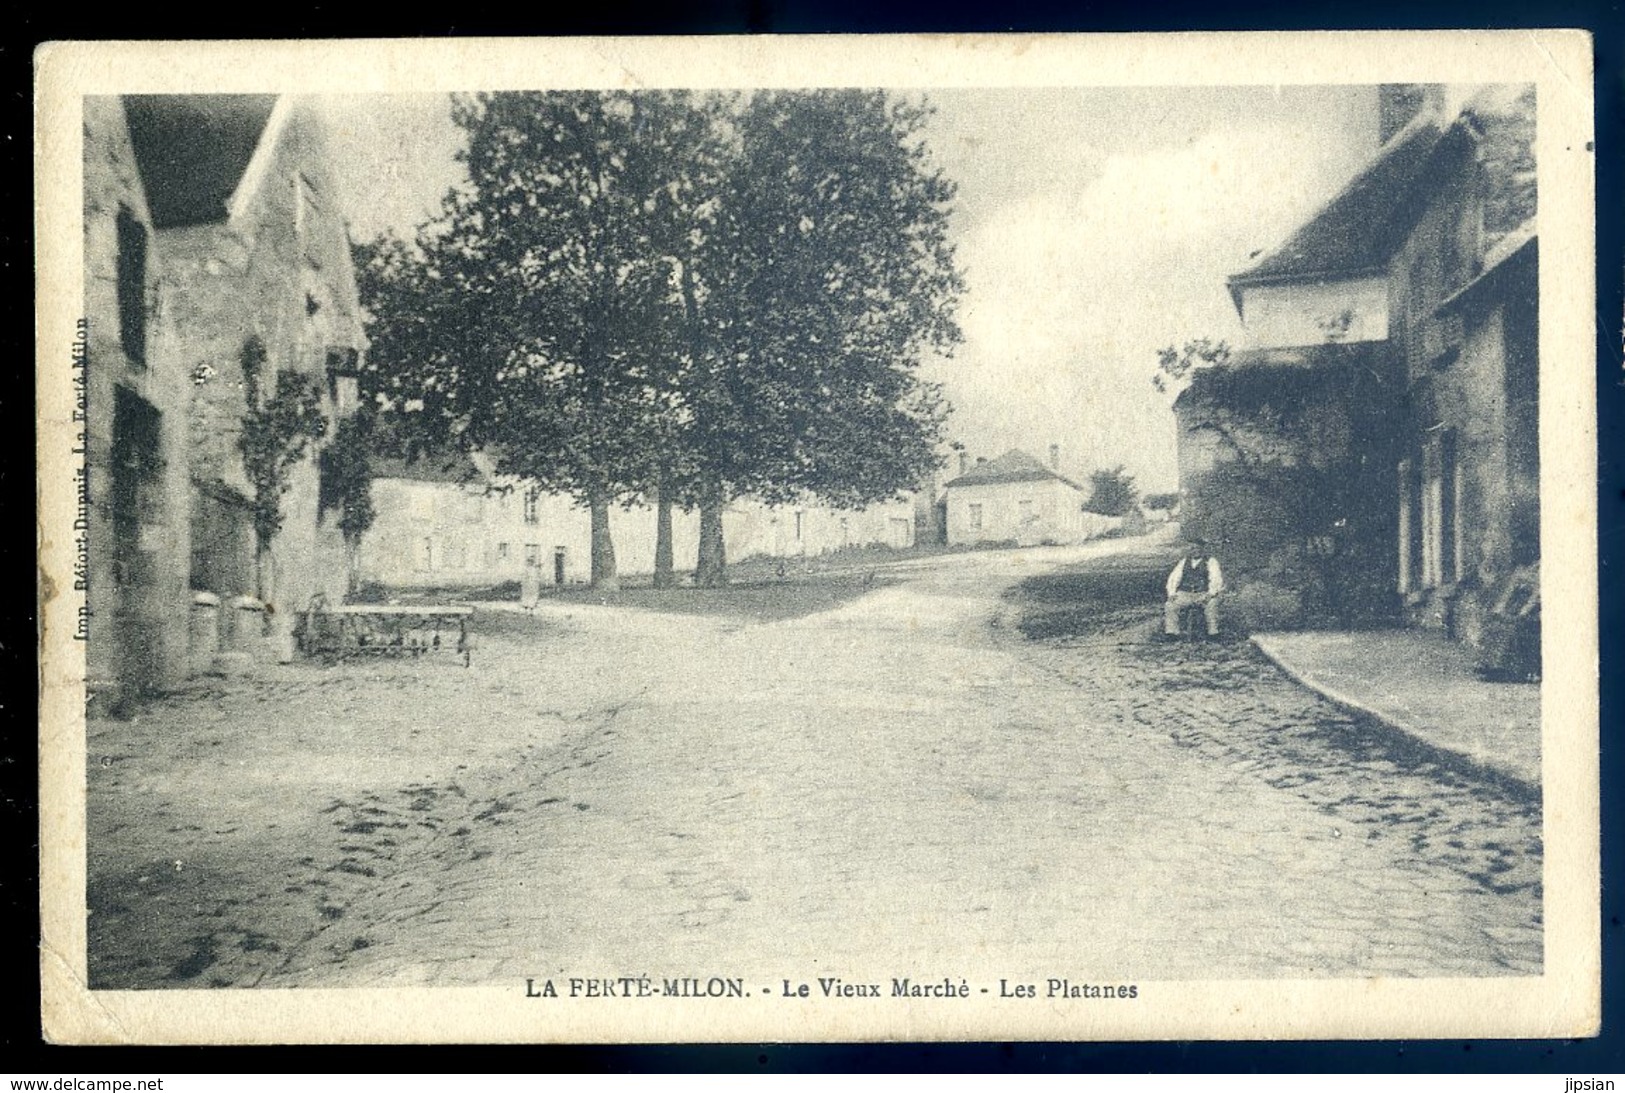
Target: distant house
[210, 226]
[1016, 499]
[1372, 453]
[450, 524]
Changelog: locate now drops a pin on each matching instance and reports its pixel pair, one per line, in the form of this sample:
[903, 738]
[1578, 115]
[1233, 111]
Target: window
[502, 552]
[1024, 511]
[1430, 539]
[799, 515]
[532, 497]
[1440, 546]
[132, 286]
[976, 517]
[1407, 527]
[533, 555]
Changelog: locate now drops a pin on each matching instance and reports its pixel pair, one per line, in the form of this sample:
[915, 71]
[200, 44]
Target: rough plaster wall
[280, 271]
[1302, 314]
[469, 520]
[1055, 508]
[154, 654]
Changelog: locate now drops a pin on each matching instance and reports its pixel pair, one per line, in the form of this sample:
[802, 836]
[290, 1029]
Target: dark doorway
[134, 507]
[558, 565]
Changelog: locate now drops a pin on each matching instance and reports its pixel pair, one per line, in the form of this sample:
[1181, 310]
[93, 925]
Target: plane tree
[827, 279]
[525, 320]
[695, 296]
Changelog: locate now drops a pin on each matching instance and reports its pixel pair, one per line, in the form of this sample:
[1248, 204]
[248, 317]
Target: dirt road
[904, 783]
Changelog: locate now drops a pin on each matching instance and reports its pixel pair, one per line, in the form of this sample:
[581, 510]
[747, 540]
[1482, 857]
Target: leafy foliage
[833, 279]
[275, 436]
[1112, 492]
[1161, 502]
[1303, 447]
[711, 295]
[1175, 366]
[346, 475]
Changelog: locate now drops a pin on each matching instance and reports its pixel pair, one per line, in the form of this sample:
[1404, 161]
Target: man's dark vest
[1194, 579]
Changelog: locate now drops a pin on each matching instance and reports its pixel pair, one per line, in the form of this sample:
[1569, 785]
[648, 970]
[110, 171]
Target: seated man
[1195, 582]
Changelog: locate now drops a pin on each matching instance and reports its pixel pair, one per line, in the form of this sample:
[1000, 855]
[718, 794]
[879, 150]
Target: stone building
[256, 284]
[136, 430]
[451, 524]
[1372, 454]
[215, 261]
[1018, 500]
[1285, 457]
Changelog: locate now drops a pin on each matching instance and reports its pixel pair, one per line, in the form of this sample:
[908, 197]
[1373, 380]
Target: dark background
[21, 1048]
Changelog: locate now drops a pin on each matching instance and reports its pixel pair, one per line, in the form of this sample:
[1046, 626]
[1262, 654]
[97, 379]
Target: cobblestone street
[982, 761]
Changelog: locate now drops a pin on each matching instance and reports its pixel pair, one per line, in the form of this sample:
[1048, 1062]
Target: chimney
[1054, 457]
[980, 460]
[964, 462]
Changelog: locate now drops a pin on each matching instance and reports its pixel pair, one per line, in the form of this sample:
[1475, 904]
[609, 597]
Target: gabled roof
[1361, 227]
[1014, 465]
[193, 150]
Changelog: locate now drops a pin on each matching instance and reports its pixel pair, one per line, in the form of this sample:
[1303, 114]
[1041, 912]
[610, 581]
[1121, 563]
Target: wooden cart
[362, 629]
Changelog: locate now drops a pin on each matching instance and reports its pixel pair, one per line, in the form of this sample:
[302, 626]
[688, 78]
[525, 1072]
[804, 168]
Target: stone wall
[278, 273]
[1284, 469]
[135, 433]
[1463, 292]
[1486, 400]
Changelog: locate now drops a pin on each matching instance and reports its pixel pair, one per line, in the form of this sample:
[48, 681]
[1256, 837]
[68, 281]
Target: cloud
[1072, 289]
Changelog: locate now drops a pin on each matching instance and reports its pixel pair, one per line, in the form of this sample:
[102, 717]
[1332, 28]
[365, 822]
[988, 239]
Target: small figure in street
[1195, 582]
[530, 585]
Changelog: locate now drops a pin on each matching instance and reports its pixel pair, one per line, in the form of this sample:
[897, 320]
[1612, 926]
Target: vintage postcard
[827, 538]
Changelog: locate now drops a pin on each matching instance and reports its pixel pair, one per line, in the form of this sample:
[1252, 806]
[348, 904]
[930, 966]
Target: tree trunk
[711, 570]
[352, 565]
[603, 547]
[665, 571]
[264, 573]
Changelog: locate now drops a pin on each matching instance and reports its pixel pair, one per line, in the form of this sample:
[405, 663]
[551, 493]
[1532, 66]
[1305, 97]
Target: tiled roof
[1361, 227]
[192, 151]
[1013, 466]
[1513, 251]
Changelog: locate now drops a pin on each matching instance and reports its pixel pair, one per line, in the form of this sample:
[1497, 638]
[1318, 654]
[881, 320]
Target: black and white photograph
[934, 539]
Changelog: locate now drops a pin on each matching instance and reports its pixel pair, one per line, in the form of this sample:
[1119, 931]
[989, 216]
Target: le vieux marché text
[823, 987]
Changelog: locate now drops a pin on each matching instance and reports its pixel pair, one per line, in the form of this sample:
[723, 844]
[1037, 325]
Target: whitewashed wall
[1027, 513]
[432, 534]
[1282, 315]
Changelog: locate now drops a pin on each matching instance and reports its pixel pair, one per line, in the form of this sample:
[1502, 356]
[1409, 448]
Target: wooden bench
[359, 629]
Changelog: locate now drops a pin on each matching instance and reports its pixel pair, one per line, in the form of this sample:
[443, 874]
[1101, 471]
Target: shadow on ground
[1096, 624]
[768, 600]
[1118, 595]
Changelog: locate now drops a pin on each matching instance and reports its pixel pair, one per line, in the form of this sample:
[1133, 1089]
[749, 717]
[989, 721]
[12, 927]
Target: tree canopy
[708, 295]
[1112, 492]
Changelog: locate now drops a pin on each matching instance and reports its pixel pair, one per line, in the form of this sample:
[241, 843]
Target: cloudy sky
[1094, 226]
